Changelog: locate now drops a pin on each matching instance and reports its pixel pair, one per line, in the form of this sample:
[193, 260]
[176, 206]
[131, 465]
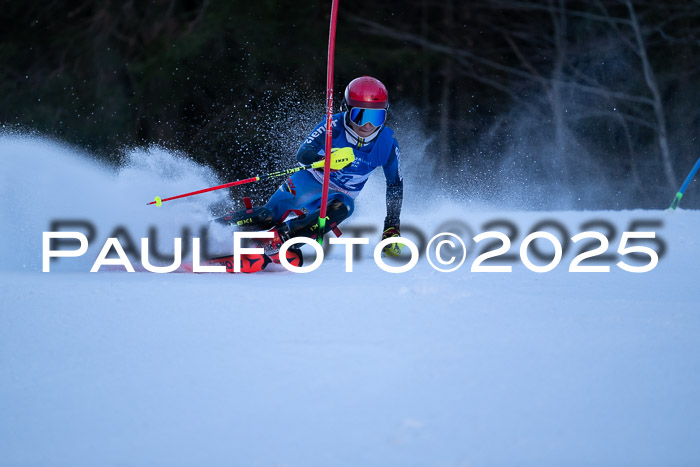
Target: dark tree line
[532, 92]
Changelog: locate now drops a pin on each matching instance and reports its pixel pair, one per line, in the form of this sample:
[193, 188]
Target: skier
[360, 126]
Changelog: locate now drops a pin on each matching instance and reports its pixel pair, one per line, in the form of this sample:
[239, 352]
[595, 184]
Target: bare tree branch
[464, 55]
[658, 104]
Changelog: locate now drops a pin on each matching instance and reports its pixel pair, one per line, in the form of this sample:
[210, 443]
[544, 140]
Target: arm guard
[394, 199]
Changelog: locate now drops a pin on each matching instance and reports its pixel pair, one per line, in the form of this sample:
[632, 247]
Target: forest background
[566, 103]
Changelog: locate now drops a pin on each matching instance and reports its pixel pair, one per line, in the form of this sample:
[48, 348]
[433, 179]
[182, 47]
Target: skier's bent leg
[339, 208]
[296, 193]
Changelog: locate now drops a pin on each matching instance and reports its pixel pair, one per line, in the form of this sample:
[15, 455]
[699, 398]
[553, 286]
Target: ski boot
[304, 225]
[272, 246]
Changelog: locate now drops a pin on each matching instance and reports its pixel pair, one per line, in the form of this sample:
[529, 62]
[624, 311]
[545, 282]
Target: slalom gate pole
[337, 161]
[329, 119]
[679, 195]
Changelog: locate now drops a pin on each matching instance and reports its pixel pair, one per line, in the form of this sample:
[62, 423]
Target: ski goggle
[360, 116]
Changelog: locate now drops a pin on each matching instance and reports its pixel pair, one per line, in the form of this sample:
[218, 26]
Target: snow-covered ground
[332, 368]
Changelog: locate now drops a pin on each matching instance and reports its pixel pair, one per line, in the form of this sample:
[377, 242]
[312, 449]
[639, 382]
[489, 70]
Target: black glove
[393, 249]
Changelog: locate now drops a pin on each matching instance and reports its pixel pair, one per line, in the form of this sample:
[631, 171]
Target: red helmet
[366, 92]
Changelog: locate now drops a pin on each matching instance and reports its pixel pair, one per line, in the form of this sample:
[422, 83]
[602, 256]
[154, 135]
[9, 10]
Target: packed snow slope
[422, 368]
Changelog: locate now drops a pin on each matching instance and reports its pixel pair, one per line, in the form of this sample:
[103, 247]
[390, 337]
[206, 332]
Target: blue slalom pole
[679, 195]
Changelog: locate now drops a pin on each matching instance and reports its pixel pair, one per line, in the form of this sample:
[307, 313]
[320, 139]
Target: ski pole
[338, 160]
[329, 118]
[679, 195]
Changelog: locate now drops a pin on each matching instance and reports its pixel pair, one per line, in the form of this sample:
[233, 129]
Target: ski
[250, 263]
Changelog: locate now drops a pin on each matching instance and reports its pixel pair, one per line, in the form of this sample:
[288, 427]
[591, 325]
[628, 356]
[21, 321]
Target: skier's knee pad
[339, 210]
[307, 226]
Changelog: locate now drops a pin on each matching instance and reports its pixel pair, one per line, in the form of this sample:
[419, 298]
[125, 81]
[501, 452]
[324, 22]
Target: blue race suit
[302, 190]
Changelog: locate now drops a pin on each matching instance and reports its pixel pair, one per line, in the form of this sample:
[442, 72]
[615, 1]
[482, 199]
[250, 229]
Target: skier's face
[364, 130]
